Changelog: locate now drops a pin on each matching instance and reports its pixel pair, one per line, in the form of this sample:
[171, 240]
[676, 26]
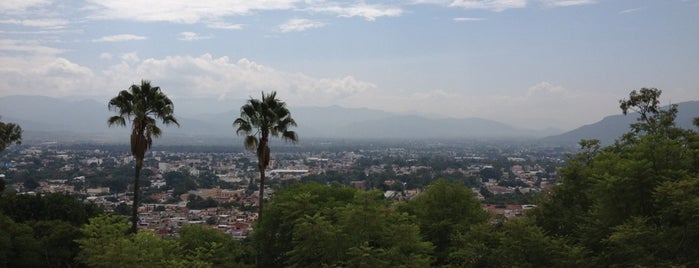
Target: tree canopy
[9, 133]
[633, 203]
[313, 225]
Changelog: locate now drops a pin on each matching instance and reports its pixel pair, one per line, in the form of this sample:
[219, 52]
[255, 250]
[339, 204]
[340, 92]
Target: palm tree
[258, 120]
[141, 105]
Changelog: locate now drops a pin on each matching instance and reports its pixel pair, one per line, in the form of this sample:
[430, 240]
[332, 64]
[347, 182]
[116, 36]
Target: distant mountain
[411, 126]
[46, 119]
[49, 119]
[358, 123]
[613, 127]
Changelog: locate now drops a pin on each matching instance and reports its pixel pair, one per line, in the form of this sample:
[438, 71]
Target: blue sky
[528, 63]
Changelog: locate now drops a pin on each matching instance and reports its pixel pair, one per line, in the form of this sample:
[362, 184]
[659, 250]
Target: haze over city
[536, 64]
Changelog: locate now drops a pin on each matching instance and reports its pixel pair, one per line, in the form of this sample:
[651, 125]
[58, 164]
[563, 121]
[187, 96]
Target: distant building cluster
[91, 171]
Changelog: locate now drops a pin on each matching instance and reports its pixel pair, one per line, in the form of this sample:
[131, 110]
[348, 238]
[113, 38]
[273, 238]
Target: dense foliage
[443, 211]
[9, 133]
[634, 203]
[106, 242]
[312, 225]
[39, 231]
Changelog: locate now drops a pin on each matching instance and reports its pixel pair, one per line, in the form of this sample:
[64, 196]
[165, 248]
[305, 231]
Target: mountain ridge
[613, 127]
[85, 120]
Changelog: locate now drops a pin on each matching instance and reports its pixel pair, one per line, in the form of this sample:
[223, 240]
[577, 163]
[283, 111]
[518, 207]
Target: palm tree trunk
[136, 189]
[262, 193]
[258, 256]
[262, 163]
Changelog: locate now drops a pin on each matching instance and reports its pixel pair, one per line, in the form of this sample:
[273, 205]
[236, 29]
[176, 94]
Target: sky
[528, 63]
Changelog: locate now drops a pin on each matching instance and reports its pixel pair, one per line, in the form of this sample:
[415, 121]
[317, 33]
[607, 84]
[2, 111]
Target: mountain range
[612, 127]
[53, 119]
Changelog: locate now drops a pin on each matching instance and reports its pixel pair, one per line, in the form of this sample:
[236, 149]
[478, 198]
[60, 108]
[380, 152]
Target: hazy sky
[537, 63]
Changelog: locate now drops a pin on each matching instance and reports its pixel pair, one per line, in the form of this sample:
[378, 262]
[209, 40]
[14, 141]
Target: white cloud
[35, 64]
[43, 23]
[500, 5]
[206, 76]
[119, 38]
[106, 56]
[566, 3]
[131, 57]
[181, 11]
[28, 46]
[631, 10]
[368, 12]
[540, 105]
[494, 5]
[546, 104]
[225, 26]
[44, 75]
[299, 25]
[64, 67]
[191, 36]
[544, 88]
[212, 13]
[434, 2]
[17, 5]
[468, 19]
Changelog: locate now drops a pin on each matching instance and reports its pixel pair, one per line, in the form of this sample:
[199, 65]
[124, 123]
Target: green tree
[142, 105]
[316, 242]
[18, 247]
[651, 118]
[57, 241]
[54, 206]
[443, 210]
[312, 225]
[516, 243]
[629, 204]
[30, 184]
[678, 207]
[391, 236]
[206, 245]
[260, 118]
[9, 133]
[107, 242]
[103, 240]
[40, 230]
[180, 182]
[287, 208]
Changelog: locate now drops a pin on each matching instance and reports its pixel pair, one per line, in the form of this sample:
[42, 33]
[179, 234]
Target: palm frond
[290, 136]
[267, 116]
[244, 127]
[116, 120]
[154, 131]
[170, 119]
[251, 142]
[143, 105]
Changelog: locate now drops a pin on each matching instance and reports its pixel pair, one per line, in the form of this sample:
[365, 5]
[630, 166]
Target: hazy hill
[339, 122]
[411, 126]
[612, 127]
[48, 119]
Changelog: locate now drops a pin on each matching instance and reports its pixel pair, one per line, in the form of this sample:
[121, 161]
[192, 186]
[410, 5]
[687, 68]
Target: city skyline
[539, 64]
